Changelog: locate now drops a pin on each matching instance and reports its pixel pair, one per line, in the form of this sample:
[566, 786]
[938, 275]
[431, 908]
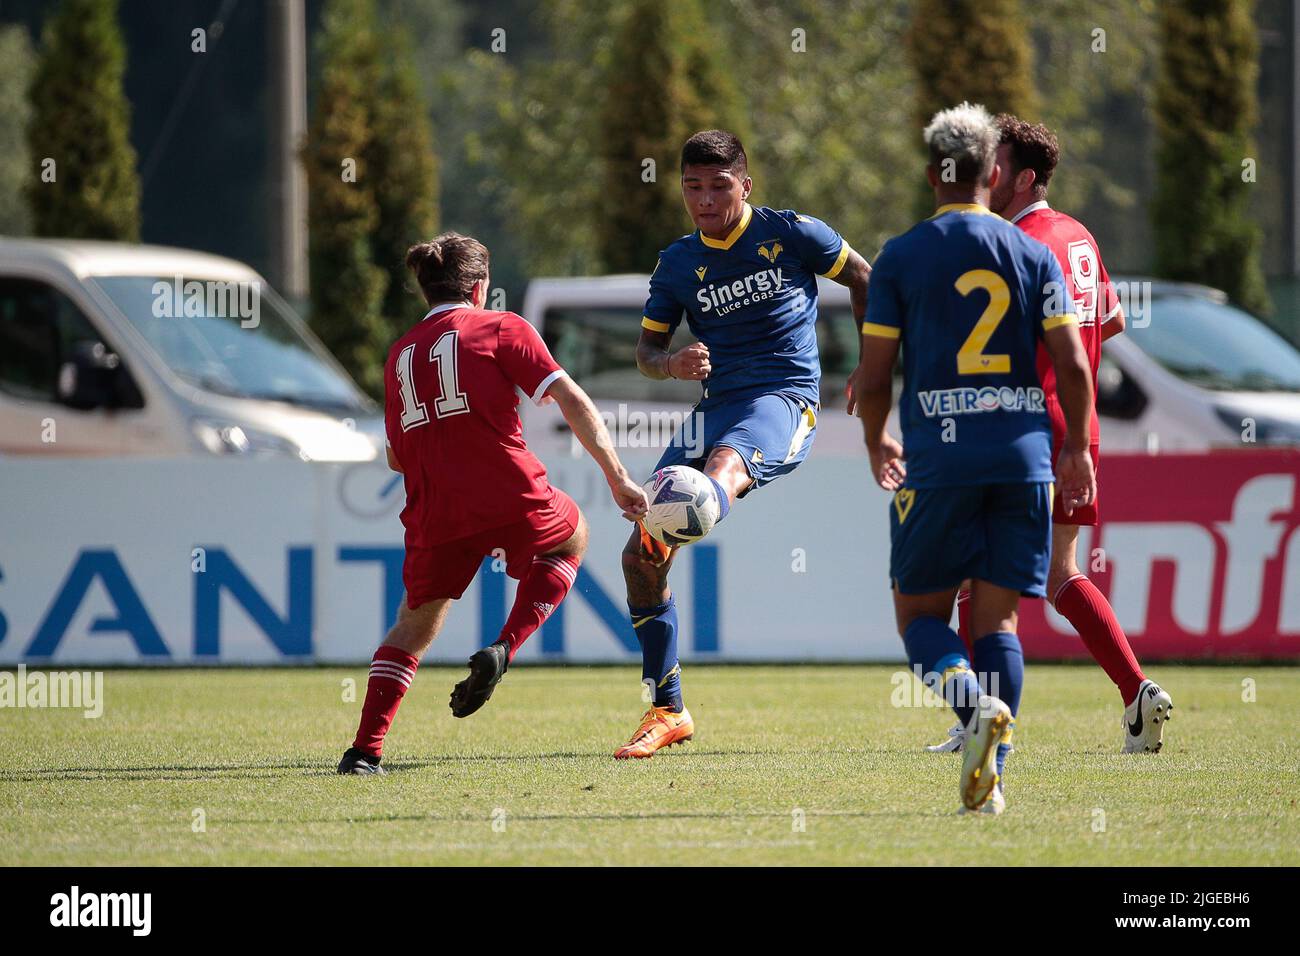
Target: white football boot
[979, 766]
[1145, 718]
[957, 736]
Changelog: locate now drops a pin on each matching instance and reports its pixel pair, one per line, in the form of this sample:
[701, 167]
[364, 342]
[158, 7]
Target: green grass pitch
[790, 765]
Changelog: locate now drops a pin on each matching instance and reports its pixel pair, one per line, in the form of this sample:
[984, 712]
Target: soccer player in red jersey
[1027, 157]
[472, 485]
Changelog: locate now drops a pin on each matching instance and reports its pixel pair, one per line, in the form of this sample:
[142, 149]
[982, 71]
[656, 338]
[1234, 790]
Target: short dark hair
[715, 147]
[1033, 146]
[447, 266]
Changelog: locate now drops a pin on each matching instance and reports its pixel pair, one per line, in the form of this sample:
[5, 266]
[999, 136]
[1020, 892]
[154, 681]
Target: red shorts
[1087, 515]
[446, 570]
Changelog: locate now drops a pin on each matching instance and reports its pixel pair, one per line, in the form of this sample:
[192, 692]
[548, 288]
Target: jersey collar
[445, 307]
[735, 233]
[1032, 207]
[961, 207]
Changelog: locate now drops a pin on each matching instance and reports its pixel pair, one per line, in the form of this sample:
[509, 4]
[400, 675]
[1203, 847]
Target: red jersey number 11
[451, 400]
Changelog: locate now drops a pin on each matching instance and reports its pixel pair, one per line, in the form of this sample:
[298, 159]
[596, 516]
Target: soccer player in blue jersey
[968, 297]
[746, 282]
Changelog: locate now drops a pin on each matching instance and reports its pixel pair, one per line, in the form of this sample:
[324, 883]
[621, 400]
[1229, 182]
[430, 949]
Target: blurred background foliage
[538, 116]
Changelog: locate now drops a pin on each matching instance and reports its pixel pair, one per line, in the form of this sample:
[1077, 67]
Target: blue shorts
[772, 433]
[1002, 534]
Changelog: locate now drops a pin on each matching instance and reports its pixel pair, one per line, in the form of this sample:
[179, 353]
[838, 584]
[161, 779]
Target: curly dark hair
[1033, 146]
[447, 266]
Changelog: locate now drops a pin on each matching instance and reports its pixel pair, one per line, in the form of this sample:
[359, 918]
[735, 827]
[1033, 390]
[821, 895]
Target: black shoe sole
[474, 691]
[372, 771]
[349, 767]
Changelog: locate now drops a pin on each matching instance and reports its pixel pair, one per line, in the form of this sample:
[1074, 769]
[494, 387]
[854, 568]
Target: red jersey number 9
[1083, 270]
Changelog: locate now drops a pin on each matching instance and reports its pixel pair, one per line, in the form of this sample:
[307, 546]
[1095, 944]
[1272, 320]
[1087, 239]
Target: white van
[117, 349]
[1191, 373]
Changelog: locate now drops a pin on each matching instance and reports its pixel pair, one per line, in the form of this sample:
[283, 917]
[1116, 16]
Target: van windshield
[1216, 346]
[597, 346]
[231, 339]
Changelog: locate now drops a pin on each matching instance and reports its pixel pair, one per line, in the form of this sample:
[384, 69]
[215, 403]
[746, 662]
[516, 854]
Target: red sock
[1080, 603]
[540, 592]
[391, 673]
[963, 621]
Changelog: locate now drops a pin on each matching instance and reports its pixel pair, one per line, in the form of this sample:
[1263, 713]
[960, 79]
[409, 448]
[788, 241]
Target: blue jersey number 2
[971, 359]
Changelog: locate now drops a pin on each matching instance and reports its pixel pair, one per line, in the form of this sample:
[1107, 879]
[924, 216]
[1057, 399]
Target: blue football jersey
[752, 299]
[970, 295]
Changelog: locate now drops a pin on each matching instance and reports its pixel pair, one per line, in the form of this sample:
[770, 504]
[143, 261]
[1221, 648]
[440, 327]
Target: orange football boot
[656, 551]
[660, 727]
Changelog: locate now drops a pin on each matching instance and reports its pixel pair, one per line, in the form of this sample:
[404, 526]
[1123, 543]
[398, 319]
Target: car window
[39, 328]
[1217, 346]
[208, 345]
[596, 345]
[837, 343]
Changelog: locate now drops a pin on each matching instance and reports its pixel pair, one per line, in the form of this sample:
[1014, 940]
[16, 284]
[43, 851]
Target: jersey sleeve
[525, 359]
[820, 248]
[884, 318]
[1056, 303]
[663, 312]
[392, 398]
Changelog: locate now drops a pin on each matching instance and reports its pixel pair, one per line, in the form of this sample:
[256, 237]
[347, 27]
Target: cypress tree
[17, 66]
[1205, 109]
[405, 176]
[347, 288]
[81, 120]
[665, 82]
[976, 50]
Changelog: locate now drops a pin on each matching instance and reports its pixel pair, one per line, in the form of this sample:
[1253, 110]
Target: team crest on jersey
[699, 273]
[770, 252]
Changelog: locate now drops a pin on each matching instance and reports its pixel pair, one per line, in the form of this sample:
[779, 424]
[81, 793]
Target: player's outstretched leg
[391, 671]
[654, 620]
[1077, 599]
[653, 610]
[541, 589]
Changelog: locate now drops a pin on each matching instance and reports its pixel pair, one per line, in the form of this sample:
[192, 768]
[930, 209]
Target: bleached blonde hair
[967, 136]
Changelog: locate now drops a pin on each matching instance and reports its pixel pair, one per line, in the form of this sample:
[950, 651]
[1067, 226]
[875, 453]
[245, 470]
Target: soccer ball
[683, 505]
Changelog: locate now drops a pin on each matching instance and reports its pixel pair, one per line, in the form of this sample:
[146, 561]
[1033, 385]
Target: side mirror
[89, 379]
[1118, 396]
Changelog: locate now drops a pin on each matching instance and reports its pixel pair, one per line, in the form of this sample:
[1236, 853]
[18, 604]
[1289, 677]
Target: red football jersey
[451, 413]
[1094, 297]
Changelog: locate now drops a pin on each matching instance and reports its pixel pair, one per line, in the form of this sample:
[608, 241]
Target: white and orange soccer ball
[683, 505]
